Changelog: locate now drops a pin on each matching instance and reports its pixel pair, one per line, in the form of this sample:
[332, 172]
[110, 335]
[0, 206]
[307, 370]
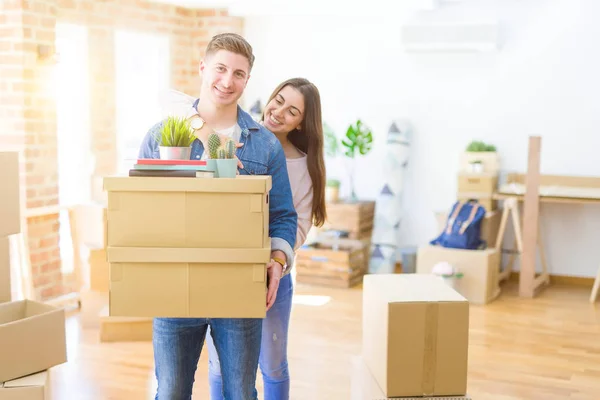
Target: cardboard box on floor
[415, 335]
[32, 338]
[99, 271]
[5, 273]
[480, 268]
[124, 329]
[10, 200]
[30, 387]
[182, 247]
[365, 387]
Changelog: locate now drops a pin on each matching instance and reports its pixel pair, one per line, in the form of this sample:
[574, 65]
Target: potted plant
[221, 157]
[481, 157]
[358, 140]
[332, 191]
[175, 139]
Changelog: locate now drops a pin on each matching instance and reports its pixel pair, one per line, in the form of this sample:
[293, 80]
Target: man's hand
[274, 272]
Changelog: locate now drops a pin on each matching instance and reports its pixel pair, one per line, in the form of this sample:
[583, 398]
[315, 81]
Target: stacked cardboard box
[10, 217]
[479, 183]
[188, 247]
[415, 337]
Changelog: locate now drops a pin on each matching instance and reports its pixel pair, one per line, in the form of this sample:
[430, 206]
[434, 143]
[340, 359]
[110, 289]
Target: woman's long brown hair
[310, 141]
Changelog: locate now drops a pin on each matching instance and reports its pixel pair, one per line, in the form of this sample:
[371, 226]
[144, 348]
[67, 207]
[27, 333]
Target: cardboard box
[480, 268]
[490, 161]
[32, 337]
[99, 271]
[31, 387]
[92, 304]
[188, 213]
[364, 387]
[124, 329]
[489, 226]
[10, 201]
[415, 335]
[181, 282]
[5, 273]
[477, 183]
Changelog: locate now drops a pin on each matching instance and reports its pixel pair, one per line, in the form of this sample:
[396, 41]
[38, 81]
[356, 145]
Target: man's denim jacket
[261, 154]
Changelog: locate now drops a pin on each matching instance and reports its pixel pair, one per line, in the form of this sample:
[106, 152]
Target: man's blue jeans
[177, 346]
[273, 353]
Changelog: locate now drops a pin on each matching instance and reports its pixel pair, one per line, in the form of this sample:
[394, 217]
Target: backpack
[463, 227]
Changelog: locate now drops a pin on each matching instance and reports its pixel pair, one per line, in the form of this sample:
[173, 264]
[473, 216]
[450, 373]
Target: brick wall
[28, 111]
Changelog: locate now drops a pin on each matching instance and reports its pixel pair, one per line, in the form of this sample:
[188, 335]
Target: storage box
[188, 213]
[490, 161]
[31, 387]
[364, 387]
[10, 201]
[5, 273]
[92, 304]
[124, 329]
[489, 226]
[415, 335]
[354, 218]
[32, 338]
[99, 271]
[480, 268]
[335, 263]
[473, 183]
[204, 283]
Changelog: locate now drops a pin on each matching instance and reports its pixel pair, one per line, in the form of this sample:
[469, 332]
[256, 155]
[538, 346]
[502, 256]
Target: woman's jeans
[273, 352]
[177, 346]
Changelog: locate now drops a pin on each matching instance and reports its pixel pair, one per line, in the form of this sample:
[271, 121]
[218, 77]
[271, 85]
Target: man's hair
[231, 42]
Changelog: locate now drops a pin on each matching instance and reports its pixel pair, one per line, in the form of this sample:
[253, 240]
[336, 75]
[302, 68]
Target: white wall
[544, 81]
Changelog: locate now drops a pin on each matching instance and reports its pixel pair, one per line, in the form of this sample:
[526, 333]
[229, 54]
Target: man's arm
[149, 145]
[283, 219]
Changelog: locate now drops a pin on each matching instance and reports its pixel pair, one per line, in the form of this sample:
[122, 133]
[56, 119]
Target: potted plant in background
[221, 157]
[332, 191]
[481, 157]
[358, 140]
[175, 139]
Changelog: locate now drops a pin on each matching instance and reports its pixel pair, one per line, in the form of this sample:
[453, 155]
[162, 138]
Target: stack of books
[171, 168]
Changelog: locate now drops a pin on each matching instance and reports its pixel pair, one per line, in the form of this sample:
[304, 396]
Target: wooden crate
[354, 218]
[335, 263]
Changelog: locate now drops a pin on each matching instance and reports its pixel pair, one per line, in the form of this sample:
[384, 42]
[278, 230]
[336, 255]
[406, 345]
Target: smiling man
[178, 342]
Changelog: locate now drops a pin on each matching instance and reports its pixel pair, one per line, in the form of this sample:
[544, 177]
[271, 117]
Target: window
[75, 161]
[142, 73]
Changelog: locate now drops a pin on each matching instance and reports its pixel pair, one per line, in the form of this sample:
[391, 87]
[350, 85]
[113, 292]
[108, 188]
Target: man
[178, 341]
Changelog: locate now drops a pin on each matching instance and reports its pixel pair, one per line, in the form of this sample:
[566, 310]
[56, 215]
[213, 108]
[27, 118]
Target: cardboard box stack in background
[10, 217]
[340, 252]
[478, 178]
[33, 340]
[415, 335]
[188, 247]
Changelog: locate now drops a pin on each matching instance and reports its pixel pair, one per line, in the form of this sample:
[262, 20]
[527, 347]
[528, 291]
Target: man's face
[224, 77]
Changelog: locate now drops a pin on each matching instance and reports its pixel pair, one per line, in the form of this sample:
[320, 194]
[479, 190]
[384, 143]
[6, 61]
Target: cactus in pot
[214, 141]
[230, 148]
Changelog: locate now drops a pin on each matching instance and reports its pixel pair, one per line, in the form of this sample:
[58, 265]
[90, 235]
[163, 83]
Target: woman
[293, 114]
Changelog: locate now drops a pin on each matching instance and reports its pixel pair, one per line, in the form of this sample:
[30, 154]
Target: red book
[153, 161]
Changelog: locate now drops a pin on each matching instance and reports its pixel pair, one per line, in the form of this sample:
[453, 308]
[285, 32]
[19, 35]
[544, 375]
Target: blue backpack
[463, 228]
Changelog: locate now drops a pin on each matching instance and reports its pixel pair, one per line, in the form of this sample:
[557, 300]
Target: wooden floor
[546, 348]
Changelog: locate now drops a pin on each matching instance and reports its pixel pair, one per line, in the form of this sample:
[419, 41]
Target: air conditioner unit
[451, 36]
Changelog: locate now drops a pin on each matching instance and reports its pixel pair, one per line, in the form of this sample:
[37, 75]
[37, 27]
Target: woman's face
[285, 112]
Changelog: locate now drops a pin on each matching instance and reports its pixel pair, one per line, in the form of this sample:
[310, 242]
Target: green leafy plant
[359, 138]
[479, 146]
[334, 183]
[331, 144]
[176, 132]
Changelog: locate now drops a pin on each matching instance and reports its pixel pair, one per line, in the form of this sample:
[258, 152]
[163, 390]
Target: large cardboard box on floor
[32, 338]
[188, 247]
[10, 200]
[415, 335]
[188, 212]
[480, 268]
[30, 387]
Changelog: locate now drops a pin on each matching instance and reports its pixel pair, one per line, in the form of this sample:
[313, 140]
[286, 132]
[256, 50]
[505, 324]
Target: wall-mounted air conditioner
[450, 36]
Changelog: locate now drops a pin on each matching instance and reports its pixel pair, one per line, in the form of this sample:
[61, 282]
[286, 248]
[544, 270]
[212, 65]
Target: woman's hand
[274, 272]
